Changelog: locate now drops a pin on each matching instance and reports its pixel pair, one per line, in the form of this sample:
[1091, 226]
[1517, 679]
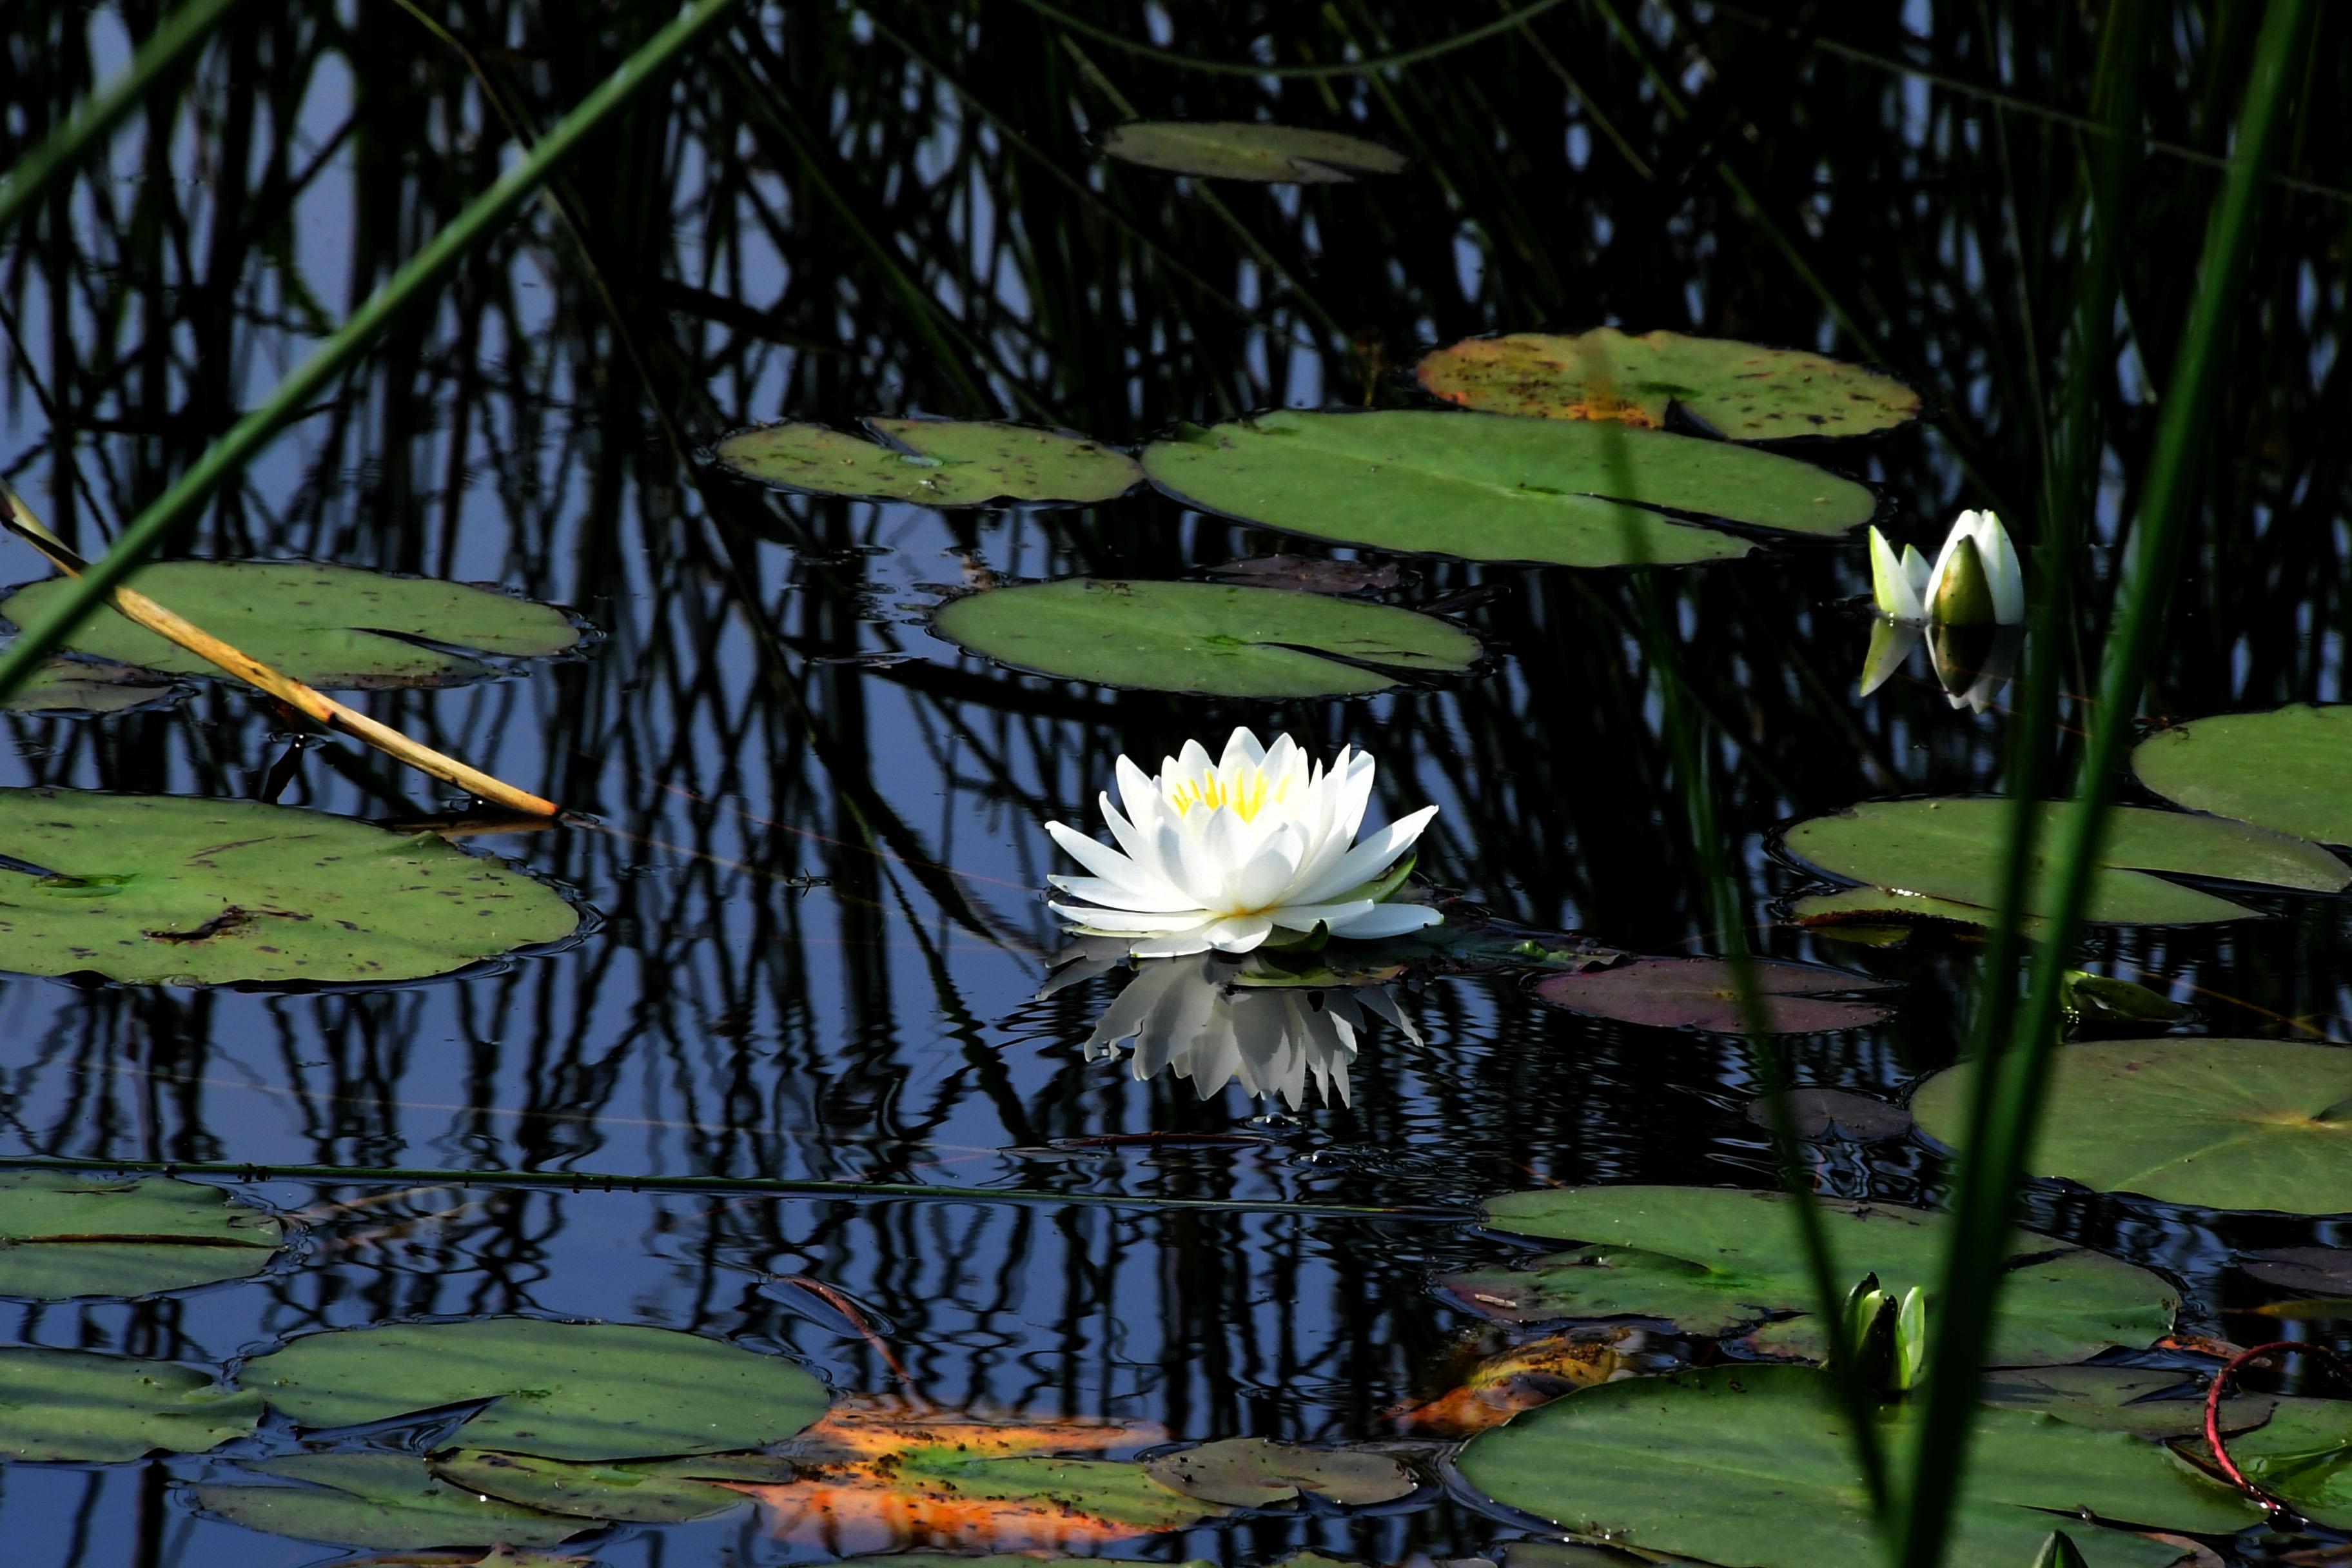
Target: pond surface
[809, 834]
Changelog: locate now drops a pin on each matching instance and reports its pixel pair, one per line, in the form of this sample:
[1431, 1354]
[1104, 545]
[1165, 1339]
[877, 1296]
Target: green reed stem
[482, 216]
[2008, 1089]
[178, 36]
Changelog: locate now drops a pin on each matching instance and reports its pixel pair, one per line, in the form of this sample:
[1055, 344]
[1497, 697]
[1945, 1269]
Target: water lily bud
[1962, 595]
[2059, 1551]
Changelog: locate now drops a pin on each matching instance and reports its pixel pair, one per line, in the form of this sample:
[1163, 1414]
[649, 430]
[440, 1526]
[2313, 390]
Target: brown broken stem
[144, 611]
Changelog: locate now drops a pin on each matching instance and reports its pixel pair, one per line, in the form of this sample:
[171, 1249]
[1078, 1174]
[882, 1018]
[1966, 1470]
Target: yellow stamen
[1247, 795]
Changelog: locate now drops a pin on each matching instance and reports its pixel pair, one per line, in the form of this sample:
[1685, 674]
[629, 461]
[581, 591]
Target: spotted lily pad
[1240, 150]
[1487, 487]
[1948, 851]
[332, 626]
[559, 1391]
[2290, 769]
[1755, 1465]
[1700, 994]
[1250, 1472]
[938, 462]
[161, 891]
[389, 1501]
[1747, 391]
[1220, 638]
[2224, 1124]
[105, 1409]
[63, 1236]
[84, 686]
[1714, 1261]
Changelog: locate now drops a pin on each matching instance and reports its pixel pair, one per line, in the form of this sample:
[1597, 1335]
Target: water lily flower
[1975, 580]
[1224, 854]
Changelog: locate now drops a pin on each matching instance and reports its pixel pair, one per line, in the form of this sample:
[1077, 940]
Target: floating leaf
[2119, 1399]
[1221, 639]
[1743, 390]
[1251, 1472]
[1861, 914]
[1536, 1372]
[386, 1501]
[1311, 574]
[2303, 1454]
[1820, 1111]
[2103, 1001]
[89, 686]
[938, 462]
[1755, 1465]
[160, 890]
[1700, 994]
[561, 1391]
[2310, 1271]
[1488, 487]
[1714, 1261]
[2290, 769]
[1951, 851]
[668, 1492]
[106, 1409]
[2224, 1124]
[1244, 150]
[325, 625]
[63, 1236]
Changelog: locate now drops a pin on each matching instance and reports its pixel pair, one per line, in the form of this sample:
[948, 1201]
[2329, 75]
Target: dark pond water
[812, 830]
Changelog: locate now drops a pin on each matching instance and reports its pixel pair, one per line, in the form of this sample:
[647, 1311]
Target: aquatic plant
[1975, 581]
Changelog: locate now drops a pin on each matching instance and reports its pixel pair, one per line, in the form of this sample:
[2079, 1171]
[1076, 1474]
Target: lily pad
[334, 627]
[2290, 769]
[106, 1409]
[1821, 1111]
[667, 1492]
[2223, 1124]
[1714, 1261]
[1949, 850]
[1755, 1465]
[560, 1391]
[1745, 391]
[1486, 487]
[2303, 1453]
[65, 1235]
[389, 1501]
[162, 891]
[2310, 1271]
[1250, 1472]
[2120, 1399]
[1212, 637]
[938, 462]
[91, 687]
[1244, 149]
[1700, 994]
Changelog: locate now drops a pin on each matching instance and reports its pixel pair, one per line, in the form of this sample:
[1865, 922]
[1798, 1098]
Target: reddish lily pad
[1250, 1472]
[1701, 994]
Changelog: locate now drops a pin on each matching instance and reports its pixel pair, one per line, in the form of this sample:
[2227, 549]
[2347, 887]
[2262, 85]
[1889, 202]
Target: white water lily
[1224, 854]
[1977, 551]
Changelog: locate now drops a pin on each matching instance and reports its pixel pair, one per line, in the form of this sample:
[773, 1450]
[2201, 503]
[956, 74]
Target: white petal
[1306, 917]
[1242, 751]
[1268, 872]
[1129, 922]
[1890, 585]
[1388, 919]
[1103, 861]
[1175, 944]
[1367, 859]
[2001, 566]
[1119, 896]
[1239, 933]
[1136, 791]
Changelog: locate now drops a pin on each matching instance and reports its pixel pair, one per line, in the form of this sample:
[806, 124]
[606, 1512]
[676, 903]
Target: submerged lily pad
[1755, 1466]
[561, 1391]
[161, 891]
[64, 1235]
[1821, 1111]
[1488, 487]
[1219, 638]
[663, 1491]
[2290, 769]
[1246, 149]
[1949, 851]
[1250, 1472]
[106, 1409]
[1713, 1261]
[1745, 391]
[389, 1501]
[1700, 994]
[89, 686]
[938, 462]
[2224, 1124]
[326, 625]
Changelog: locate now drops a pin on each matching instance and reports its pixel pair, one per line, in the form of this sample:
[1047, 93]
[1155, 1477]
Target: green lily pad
[1714, 1261]
[161, 891]
[2117, 1399]
[1755, 1465]
[667, 1492]
[2223, 1124]
[1219, 638]
[938, 462]
[2290, 769]
[1745, 391]
[559, 1391]
[1250, 1472]
[1700, 994]
[335, 626]
[389, 1501]
[107, 1409]
[89, 686]
[1240, 149]
[1487, 487]
[2303, 1454]
[64, 1235]
[1949, 850]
